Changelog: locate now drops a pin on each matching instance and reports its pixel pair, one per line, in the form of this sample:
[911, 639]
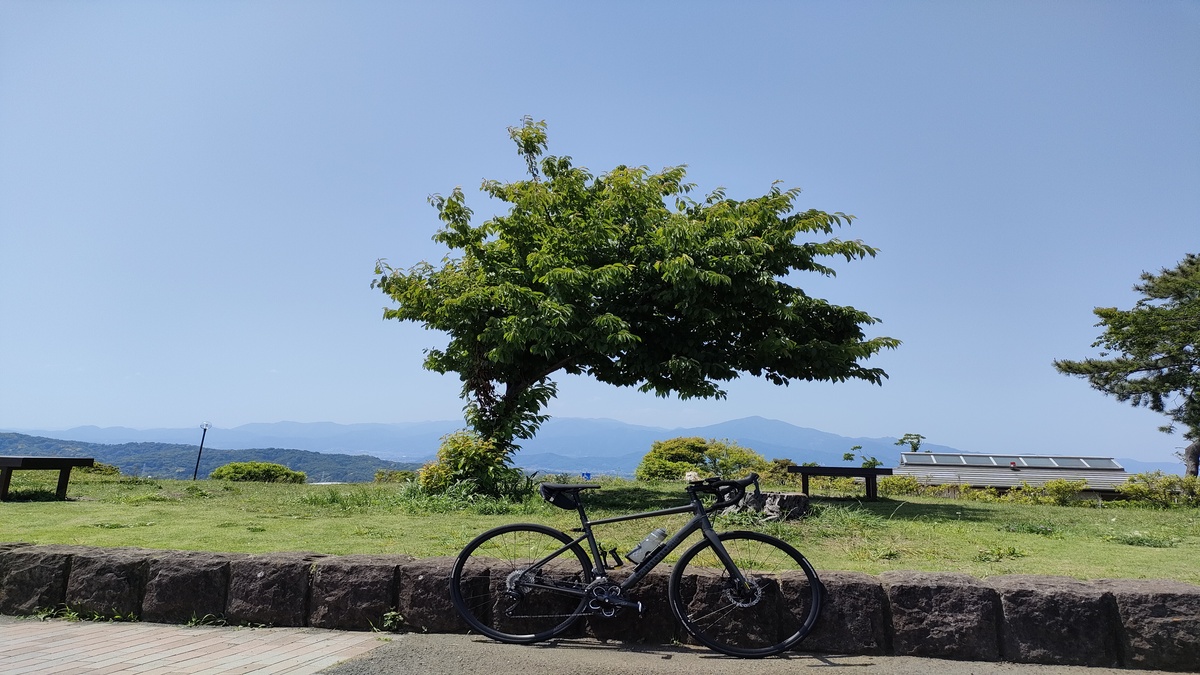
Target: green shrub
[899, 485]
[1162, 490]
[394, 476]
[100, 469]
[672, 459]
[466, 457]
[257, 472]
[1057, 492]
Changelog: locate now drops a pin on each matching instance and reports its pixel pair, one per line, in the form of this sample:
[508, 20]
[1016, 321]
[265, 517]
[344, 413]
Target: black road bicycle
[741, 593]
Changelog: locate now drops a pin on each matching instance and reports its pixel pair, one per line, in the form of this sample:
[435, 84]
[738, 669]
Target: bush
[394, 476]
[100, 469]
[258, 472]
[673, 458]
[899, 485]
[466, 457]
[1058, 492]
[1162, 490]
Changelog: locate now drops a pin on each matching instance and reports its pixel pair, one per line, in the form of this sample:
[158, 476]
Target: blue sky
[193, 194]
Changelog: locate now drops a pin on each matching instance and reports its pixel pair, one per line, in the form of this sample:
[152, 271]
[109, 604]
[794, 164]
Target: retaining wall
[1030, 619]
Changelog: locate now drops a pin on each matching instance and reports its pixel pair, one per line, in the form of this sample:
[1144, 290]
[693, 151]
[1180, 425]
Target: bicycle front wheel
[772, 614]
[520, 583]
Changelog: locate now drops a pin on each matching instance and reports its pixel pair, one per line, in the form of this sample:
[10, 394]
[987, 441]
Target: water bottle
[651, 542]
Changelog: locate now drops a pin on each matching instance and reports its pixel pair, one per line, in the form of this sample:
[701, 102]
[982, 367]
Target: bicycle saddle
[564, 495]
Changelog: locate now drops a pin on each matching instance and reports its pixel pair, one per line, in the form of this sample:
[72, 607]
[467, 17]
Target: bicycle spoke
[776, 609]
[505, 588]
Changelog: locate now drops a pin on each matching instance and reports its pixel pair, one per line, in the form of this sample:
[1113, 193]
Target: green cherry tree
[1151, 353]
[625, 278]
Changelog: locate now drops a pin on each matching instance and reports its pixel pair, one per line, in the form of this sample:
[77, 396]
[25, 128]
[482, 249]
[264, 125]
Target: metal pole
[204, 432]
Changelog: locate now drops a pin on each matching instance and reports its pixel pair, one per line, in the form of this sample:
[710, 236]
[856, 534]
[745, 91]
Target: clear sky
[193, 194]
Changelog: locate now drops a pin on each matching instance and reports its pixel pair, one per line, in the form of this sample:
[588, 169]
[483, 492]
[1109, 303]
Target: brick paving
[30, 646]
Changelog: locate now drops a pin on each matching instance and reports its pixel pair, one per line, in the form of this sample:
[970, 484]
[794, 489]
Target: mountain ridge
[563, 445]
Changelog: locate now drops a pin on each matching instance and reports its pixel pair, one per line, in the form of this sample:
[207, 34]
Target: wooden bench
[62, 464]
[869, 475]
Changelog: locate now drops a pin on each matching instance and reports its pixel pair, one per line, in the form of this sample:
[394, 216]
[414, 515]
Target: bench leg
[804, 483]
[5, 479]
[872, 488]
[64, 476]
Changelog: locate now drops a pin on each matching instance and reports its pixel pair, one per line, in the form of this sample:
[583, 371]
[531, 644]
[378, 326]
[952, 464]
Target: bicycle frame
[699, 521]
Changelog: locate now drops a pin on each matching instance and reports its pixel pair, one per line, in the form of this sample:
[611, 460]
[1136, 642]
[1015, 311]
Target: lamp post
[203, 432]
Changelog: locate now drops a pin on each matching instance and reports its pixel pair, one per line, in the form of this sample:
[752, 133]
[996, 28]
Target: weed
[1147, 539]
[206, 620]
[393, 621]
[1043, 529]
[998, 554]
[60, 612]
[197, 491]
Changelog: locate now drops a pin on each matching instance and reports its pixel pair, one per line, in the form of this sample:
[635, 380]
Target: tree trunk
[1191, 458]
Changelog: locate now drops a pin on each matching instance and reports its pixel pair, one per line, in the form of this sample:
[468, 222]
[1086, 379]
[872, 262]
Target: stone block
[108, 582]
[943, 616]
[1161, 622]
[353, 592]
[423, 596]
[270, 589]
[1057, 621]
[656, 625]
[34, 577]
[703, 589]
[855, 616]
[186, 585]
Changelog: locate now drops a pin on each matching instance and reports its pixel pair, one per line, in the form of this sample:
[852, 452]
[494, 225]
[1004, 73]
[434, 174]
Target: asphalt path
[441, 654]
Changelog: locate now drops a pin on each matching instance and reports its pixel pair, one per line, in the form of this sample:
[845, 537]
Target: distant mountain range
[563, 445]
[174, 460]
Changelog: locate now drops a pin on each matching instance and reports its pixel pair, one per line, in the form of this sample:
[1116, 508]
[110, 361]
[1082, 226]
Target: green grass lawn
[913, 533]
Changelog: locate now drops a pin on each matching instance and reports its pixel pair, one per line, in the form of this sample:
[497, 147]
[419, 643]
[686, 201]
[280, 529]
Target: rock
[34, 577]
[656, 625]
[354, 592]
[270, 589]
[773, 505]
[1162, 623]
[1057, 621]
[943, 616]
[704, 588]
[855, 616]
[186, 585]
[423, 597]
[108, 582]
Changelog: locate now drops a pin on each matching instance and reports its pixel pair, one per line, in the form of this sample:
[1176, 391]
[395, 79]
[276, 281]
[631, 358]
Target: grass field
[913, 533]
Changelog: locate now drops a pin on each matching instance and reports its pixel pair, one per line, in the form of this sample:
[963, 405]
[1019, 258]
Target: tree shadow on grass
[900, 509]
[31, 495]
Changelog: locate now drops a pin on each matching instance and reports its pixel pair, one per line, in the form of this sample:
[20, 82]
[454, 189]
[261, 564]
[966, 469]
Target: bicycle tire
[496, 593]
[776, 613]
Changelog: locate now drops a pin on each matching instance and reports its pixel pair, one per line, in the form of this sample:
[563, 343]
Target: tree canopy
[1151, 353]
[626, 278]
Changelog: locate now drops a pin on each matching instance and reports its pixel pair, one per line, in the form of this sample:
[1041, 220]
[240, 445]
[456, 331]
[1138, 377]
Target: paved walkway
[97, 648]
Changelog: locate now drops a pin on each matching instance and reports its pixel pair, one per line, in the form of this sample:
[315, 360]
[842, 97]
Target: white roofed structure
[1103, 474]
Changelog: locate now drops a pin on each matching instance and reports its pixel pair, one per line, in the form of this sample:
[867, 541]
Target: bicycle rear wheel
[501, 590]
[778, 609]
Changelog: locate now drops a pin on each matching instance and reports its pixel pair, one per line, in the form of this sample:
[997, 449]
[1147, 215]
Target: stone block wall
[1150, 624]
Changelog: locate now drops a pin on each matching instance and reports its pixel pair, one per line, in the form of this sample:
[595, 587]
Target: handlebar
[728, 492]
